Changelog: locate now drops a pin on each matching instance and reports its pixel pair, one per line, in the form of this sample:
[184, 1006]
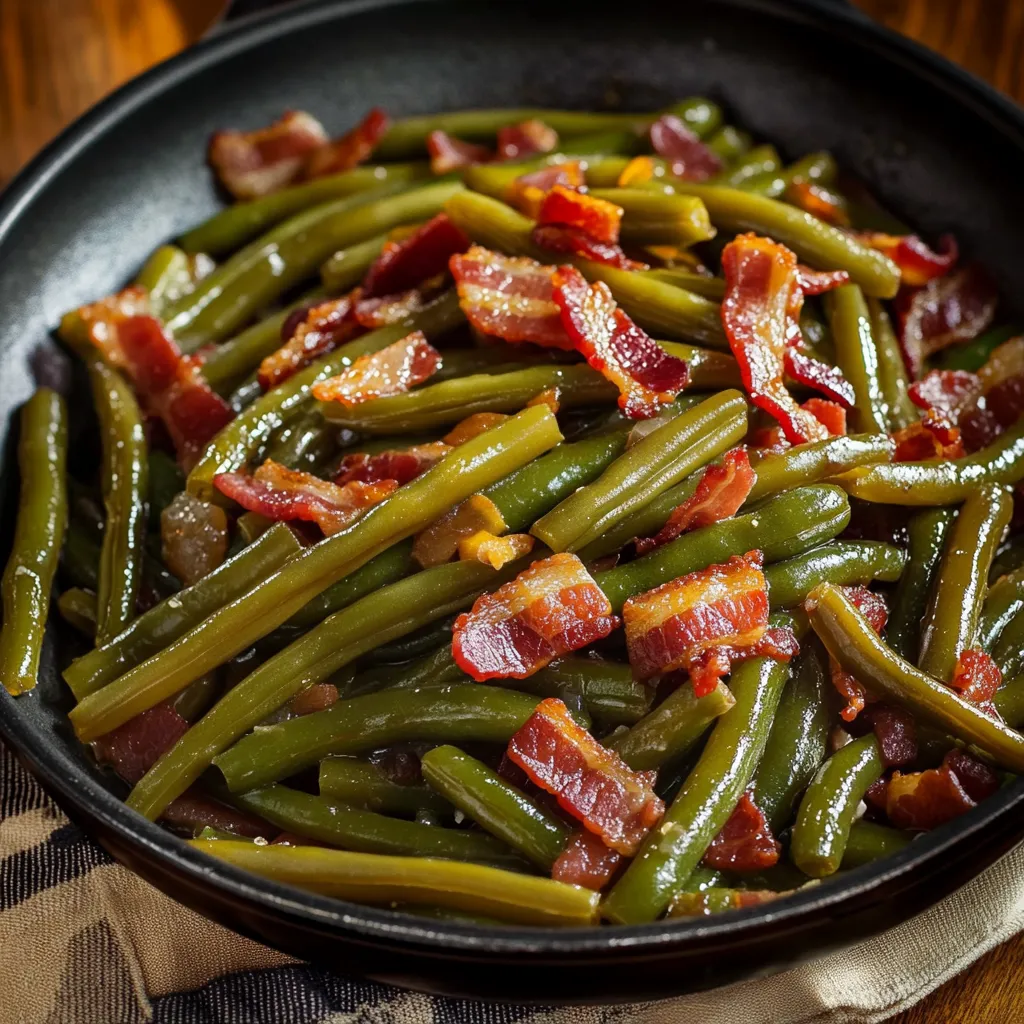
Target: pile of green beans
[315, 676]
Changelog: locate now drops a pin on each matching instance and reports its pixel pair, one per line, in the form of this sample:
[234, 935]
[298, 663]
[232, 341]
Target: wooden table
[57, 57]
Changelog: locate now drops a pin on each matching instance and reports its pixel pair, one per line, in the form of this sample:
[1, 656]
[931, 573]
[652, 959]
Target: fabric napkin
[84, 941]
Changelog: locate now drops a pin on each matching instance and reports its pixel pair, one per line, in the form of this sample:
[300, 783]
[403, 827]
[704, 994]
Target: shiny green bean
[843, 562]
[892, 371]
[869, 842]
[361, 784]
[857, 356]
[1003, 600]
[756, 164]
[653, 219]
[77, 607]
[347, 267]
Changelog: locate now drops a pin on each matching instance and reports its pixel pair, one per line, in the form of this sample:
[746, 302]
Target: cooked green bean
[757, 164]
[1008, 651]
[80, 557]
[305, 442]
[1009, 702]
[892, 371]
[42, 516]
[652, 219]
[691, 281]
[166, 481]
[1003, 600]
[815, 167]
[362, 784]
[166, 276]
[347, 267]
[422, 641]
[857, 356]
[973, 355]
[78, 608]
[869, 842]
[729, 143]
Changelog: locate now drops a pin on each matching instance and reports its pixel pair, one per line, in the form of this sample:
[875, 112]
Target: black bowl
[939, 146]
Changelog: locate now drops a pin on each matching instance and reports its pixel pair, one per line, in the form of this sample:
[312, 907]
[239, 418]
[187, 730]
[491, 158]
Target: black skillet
[939, 146]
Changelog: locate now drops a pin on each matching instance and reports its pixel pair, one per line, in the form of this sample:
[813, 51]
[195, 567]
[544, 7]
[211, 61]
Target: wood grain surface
[58, 57]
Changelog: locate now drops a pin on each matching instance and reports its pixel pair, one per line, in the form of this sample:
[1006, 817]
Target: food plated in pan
[620, 528]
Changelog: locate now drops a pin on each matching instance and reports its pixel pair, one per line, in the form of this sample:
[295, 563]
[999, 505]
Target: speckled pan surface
[808, 74]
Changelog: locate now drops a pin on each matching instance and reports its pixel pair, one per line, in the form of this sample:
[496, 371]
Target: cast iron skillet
[940, 147]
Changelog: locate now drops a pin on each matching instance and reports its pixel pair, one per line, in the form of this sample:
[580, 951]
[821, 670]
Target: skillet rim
[869, 885]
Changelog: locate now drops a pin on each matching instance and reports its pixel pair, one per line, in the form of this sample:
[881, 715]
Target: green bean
[239, 441]
[125, 473]
[1003, 600]
[815, 242]
[197, 698]
[892, 371]
[289, 253]
[843, 562]
[653, 219]
[757, 164]
[433, 669]
[353, 828]
[729, 143]
[1008, 651]
[1009, 559]
[857, 356]
[941, 483]
[496, 179]
[362, 784]
[973, 355]
[456, 713]
[691, 281]
[373, 878]
[860, 651]
[709, 794]
[798, 741]
[660, 460]
[784, 526]
[1009, 702]
[672, 729]
[495, 805]
[586, 146]
[78, 608]
[422, 641]
[437, 405]
[166, 481]
[305, 442]
[167, 275]
[80, 557]
[869, 842]
[347, 267]
[818, 460]
[239, 223]
[701, 879]
[159, 627]
[950, 624]
[232, 628]
[815, 167]
[42, 517]
[828, 807]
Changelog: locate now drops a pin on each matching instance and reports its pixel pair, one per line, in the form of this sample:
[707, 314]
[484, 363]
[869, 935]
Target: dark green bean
[305, 442]
[869, 842]
[166, 481]
[815, 167]
[422, 641]
[1009, 702]
[691, 281]
[78, 608]
[1008, 651]
[892, 371]
[757, 164]
[361, 784]
[1004, 599]
[973, 355]
[80, 557]
[857, 356]
[653, 219]
[169, 274]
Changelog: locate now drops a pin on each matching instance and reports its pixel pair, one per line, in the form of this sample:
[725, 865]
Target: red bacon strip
[686, 155]
[527, 192]
[548, 610]
[917, 262]
[590, 782]
[745, 842]
[424, 254]
[570, 208]
[389, 371]
[577, 243]
[1002, 382]
[586, 861]
[819, 202]
[280, 493]
[895, 731]
[950, 393]
[133, 748]
[873, 607]
[931, 437]
[390, 309]
[526, 139]
[400, 465]
[818, 375]
[976, 676]
[448, 153]
[352, 149]
[719, 495]
[925, 800]
[830, 414]
[647, 377]
[102, 319]
[194, 810]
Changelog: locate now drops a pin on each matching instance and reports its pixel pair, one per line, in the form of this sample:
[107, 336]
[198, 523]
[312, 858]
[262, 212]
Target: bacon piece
[590, 782]
[390, 371]
[950, 393]
[352, 149]
[314, 331]
[918, 264]
[400, 465]
[526, 139]
[103, 318]
[873, 607]
[830, 414]
[286, 494]
[494, 551]
[586, 861]
[440, 541]
[509, 297]
[390, 309]
[819, 202]
[687, 156]
[448, 153]
[647, 377]
[527, 192]
[254, 164]
[976, 676]
[931, 437]
[745, 842]
[570, 208]
[318, 697]
[578, 243]
[721, 491]
[474, 425]
[194, 811]
[194, 537]
[895, 731]
[422, 255]
[133, 748]
[925, 800]
[710, 667]
[947, 310]
[636, 172]
[813, 373]
[550, 609]
[1002, 381]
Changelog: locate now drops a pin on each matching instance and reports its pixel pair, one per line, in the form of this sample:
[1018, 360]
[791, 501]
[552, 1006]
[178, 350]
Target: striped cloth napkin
[84, 941]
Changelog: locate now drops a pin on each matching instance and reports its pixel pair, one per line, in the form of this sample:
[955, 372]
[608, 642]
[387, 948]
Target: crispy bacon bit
[400, 465]
[352, 149]
[829, 380]
[551, 397]
[646, 375]
[873, 607]
[819, 202]
[1002, 380]
[422, 255]
[720, 493]
[280, 493]
[558, 238]
[636, 172]
[896, 732]
[950, 393]
[717, 901]
[448, 153]
[509, 297]
[586, 861]
[318, 697]
[918, 264]
[389, 371]
[571, 208]
[925, 800]
[590, 782]
[194, 537]
[494, 551]
[687, 156]
[439, 542]
[831, 414]
[133, 748]
[390, 309]
[474, 425]
[254, 164]
[103, 318]
[976, 676]
[947, 310]
[527, 192]
[526, 139]
[745, 842]
[931, 437]
[817, 282]
[550, 609]
[315, 331]
[194, 810]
